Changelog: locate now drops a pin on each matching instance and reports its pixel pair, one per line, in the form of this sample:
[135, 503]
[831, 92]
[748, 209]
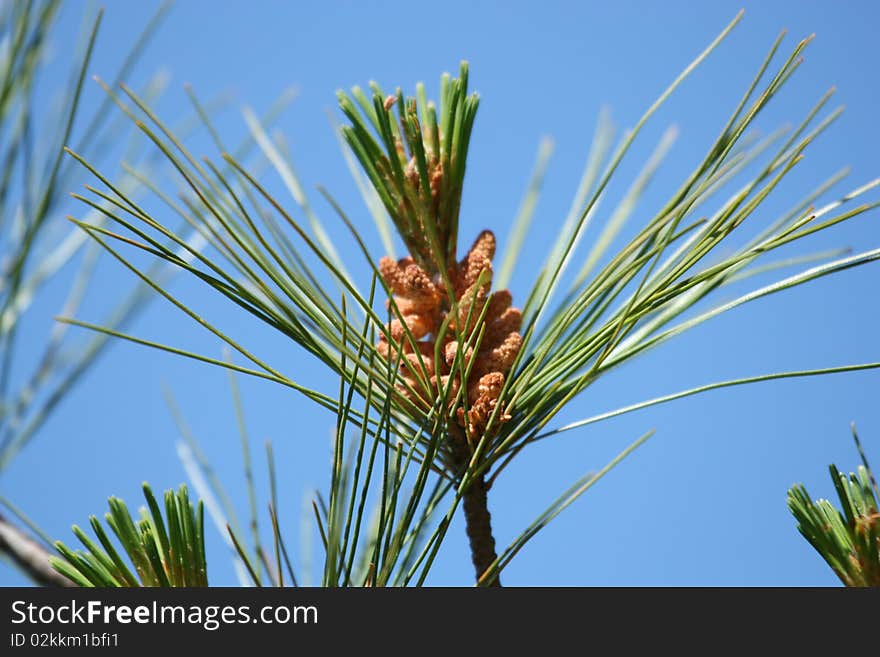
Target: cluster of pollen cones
[424, 306]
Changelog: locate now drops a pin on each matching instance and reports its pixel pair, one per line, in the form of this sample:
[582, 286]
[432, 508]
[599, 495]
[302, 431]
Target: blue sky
[703, 502]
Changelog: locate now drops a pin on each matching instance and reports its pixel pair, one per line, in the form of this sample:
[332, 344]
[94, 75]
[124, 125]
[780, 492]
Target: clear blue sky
[703, 503]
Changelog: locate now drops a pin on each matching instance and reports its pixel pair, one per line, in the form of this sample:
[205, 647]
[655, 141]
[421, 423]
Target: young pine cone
[423, 304]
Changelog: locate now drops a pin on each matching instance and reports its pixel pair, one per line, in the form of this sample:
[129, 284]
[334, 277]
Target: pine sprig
[848, 538]
[162, 550]
[415, 162]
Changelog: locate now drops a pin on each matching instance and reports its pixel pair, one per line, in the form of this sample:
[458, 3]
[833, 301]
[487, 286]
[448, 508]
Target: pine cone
[423, 305]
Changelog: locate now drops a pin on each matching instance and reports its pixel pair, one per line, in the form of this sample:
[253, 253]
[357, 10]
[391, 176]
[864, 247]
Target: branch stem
[477, 518]
[31, 557]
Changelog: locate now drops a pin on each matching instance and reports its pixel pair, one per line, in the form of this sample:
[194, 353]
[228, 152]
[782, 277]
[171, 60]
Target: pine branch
[451, 355]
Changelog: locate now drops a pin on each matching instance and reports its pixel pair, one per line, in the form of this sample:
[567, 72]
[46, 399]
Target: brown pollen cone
[423, 304]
